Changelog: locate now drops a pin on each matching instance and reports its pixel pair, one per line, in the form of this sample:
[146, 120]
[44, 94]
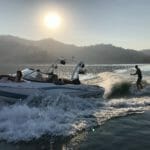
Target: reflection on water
[130, 132]
[125, 133]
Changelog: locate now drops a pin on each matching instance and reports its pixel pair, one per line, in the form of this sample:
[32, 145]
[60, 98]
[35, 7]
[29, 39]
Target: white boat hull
[18, 91]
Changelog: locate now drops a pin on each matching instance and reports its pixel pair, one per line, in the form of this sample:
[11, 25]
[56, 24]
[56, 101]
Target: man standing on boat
[139, 80]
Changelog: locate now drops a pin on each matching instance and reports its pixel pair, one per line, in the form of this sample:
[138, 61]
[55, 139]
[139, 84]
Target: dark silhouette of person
[139, 79]
[18, 76]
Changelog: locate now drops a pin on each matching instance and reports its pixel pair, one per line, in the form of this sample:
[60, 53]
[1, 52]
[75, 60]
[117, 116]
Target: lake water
[118, 120]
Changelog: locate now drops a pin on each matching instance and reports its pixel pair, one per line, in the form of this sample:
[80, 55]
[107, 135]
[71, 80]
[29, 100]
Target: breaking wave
[119, 85]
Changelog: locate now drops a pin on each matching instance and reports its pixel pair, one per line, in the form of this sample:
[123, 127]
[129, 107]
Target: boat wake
[63, 115]
[119, 85]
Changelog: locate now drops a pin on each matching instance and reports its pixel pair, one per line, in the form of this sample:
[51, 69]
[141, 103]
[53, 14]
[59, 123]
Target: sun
[52, 20]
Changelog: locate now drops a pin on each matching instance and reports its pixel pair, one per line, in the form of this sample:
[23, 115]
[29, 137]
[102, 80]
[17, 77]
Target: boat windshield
[34, 75]
[27, 71]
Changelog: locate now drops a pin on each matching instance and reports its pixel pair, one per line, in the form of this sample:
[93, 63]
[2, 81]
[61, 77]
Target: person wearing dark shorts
[139, 80]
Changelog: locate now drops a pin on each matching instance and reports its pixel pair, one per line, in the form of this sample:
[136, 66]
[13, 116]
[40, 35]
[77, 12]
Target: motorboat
[34, 81]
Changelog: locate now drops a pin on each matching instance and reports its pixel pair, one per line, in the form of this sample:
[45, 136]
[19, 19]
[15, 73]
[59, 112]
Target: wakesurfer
[139, 79]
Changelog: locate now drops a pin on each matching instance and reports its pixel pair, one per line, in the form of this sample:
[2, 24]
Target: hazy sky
[124, 23]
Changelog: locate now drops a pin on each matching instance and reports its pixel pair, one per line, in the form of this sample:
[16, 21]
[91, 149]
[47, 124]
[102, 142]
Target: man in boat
[17, 78]
[139, 79]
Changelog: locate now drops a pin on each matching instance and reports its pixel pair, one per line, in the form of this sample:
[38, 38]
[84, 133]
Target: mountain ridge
[19, 50]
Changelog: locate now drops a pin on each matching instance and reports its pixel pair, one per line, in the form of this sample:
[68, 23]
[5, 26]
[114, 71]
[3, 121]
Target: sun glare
[52, 20]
